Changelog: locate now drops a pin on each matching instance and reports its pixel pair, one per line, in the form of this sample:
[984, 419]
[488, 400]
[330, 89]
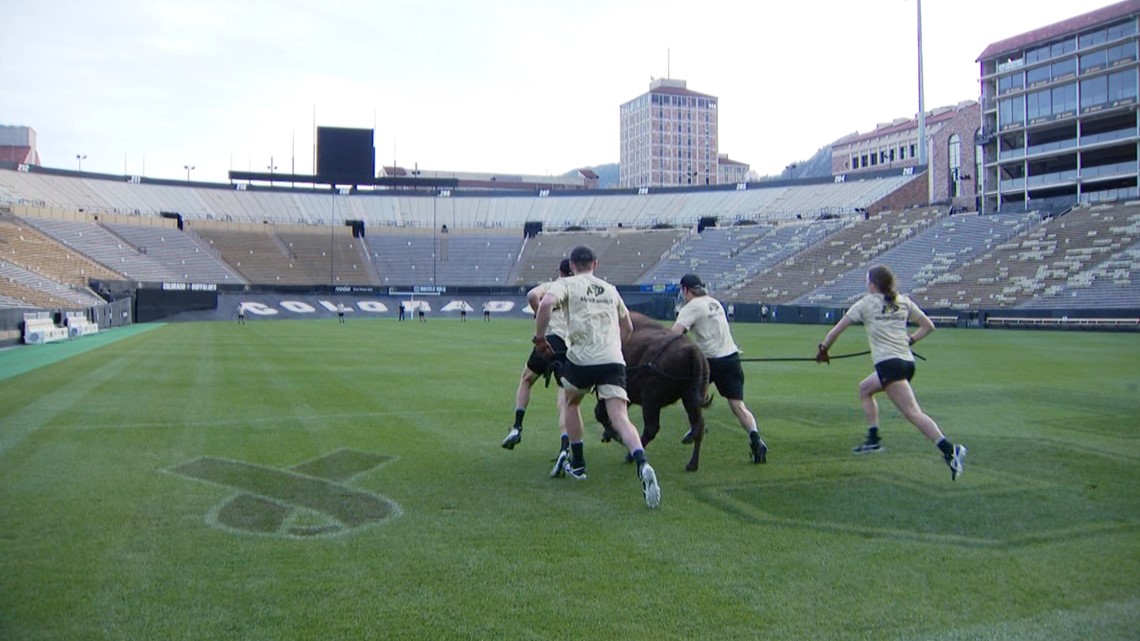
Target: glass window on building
[865, 160]
[854, 162]
[913, 150]
[1038, 76]
[1094, 92]
[1122, 86]
[1121, 53]
[1011, 112]
[1063, 47]
[1064, 68]
[1089, 40]
[978, 155]
[1094, 61]
[874, 159]
[1121, 30]
[1037, 55]
[1012, 82]
[1038, 105]
[902, 152]
[954, 162]
[1065, 100]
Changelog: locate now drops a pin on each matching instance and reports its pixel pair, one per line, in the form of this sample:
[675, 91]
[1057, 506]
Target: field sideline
[310, 480]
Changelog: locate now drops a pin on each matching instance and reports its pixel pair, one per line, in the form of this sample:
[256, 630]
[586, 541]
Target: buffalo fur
[661, 368]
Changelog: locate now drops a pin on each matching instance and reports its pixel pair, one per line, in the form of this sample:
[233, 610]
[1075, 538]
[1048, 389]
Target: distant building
[894, 145]
[731, 171]
[669, 137]
[579, 179]
[18, 145]
[1059, 108]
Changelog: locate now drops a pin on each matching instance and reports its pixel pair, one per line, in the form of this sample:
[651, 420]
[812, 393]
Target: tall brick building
[669, 137]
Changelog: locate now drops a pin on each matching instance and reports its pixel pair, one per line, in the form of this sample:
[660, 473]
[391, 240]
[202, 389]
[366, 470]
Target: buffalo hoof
[688, 438]
[692, 467]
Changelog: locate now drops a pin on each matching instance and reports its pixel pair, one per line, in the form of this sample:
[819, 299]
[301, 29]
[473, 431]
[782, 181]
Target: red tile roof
[1063, 28]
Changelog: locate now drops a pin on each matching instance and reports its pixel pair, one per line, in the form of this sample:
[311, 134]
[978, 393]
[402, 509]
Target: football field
[312, 480]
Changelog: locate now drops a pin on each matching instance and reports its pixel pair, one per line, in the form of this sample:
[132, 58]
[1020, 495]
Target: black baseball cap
[692, 281]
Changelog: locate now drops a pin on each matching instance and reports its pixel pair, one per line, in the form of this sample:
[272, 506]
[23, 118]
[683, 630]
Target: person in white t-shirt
[340, 310]
[241, 313]
[539, 365]
[885, 313]
[598, 322]
[704, 320]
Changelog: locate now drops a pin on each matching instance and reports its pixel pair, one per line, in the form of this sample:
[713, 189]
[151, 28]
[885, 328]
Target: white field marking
[396, 510]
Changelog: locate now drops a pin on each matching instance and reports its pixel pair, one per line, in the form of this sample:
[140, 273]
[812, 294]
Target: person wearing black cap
[704, 320]
[598, 322]
[538, 365]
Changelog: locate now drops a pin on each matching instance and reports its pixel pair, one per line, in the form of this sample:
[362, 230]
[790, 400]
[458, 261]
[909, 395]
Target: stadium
[170, 473]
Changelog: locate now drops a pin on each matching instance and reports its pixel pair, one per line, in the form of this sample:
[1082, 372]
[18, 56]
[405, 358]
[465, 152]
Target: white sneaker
[956, 461]
[514, 437]
[649, 485]
[558, 471]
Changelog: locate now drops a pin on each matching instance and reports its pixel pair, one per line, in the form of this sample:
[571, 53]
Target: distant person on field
[463, 312]
[340, 310]
[704, 320]
[420, 312]
[401, 310]
[598, 321]
[731, 312]
[885, 313]
[486, 311]
[241, 313]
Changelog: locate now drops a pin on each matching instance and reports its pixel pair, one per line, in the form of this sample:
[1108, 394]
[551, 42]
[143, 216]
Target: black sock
[518, 418]
[753, 436]
[576, 457]
[639, 458]
[947, 447]
[565, 443]
[873, 433]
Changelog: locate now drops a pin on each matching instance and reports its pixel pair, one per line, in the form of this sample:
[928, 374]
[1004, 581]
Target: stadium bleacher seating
[823, 262]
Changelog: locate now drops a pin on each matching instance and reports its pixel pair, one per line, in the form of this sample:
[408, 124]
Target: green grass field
[177, 484]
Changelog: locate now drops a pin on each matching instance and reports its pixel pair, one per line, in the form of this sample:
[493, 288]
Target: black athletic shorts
[539, 363]
[585, 377]
[728, 376]
[894, 369]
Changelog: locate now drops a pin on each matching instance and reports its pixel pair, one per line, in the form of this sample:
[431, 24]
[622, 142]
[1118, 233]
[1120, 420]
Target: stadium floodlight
[188, 168]
[79, 158]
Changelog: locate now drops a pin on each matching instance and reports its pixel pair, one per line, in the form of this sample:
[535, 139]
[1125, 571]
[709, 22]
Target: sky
[502, 86]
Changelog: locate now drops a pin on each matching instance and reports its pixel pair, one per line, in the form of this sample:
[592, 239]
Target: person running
[885, 313]
[704, 320]
[538, 365]
[598, 322]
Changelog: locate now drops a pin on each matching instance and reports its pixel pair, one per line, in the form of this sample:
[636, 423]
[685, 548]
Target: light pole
[272, 168]
[188, 168]
[434, 238]
[79, 158]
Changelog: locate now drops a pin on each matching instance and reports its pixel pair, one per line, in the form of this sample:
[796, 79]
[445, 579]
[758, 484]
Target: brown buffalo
[661, 368]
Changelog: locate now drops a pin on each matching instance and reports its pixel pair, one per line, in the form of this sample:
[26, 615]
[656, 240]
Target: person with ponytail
[885, 314]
